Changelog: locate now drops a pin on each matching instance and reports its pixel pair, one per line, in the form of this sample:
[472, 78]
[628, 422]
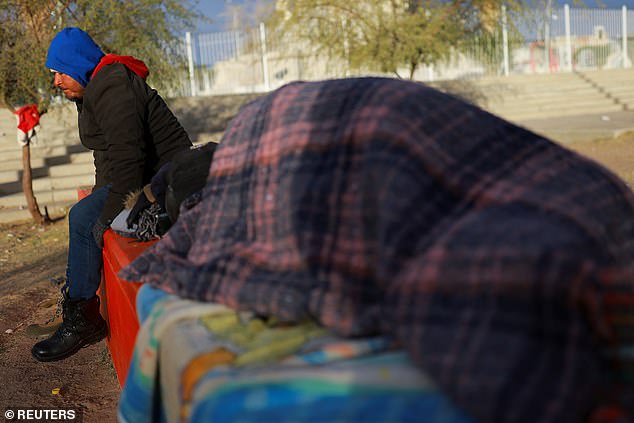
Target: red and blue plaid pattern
[379, 206]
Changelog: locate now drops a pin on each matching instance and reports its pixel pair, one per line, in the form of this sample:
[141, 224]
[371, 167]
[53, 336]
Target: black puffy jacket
[131, 131]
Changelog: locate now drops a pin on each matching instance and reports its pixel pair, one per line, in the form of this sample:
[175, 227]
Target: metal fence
[570, 38]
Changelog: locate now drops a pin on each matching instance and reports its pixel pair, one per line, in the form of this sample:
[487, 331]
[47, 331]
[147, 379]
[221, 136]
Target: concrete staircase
[617, 85]
[55, 180]
[60, 164]
[521, 98]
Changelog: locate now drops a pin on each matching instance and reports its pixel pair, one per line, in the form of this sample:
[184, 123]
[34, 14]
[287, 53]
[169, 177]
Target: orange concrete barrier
[118, 299]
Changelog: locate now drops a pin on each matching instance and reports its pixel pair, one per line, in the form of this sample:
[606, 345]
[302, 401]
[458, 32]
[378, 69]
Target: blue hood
[74, 53]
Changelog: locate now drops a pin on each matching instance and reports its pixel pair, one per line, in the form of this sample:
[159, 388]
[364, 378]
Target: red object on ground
[118, 299]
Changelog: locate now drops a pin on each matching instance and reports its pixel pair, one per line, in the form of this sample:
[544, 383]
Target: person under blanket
[501, 261]
[132, 133]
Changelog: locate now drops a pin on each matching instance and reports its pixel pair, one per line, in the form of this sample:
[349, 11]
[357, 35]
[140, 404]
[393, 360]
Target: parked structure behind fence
[258, 60]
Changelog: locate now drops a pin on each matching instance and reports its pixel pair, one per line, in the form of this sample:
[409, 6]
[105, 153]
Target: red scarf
[135, 65]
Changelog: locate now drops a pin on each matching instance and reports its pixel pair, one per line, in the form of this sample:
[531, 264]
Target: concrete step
[14, 214]
[16, 164]
[11, 170]
[614, 81]
[529, 97]
[76, 166]
[579, 105]
[561, 100]
[63, 182]
[621, 97]
[85, 157]
[625, 99]
[628, 102]
[42, 197]
[530, 79]
[55, 210]
[11, 181]
[80, 168]
[618, 86]
[617, 91]
[580, 102]
[536, 81]
[526, 92]
[47, 184]
[610, 75]
[540, 114]
[541, 88]
[9, 176]
[14, 152]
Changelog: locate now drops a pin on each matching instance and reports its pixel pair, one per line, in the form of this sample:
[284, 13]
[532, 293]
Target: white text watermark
[42, 414]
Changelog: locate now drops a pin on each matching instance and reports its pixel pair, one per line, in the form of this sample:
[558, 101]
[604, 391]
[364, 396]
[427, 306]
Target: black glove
[141, 204]
[158, 185]
[98, 231]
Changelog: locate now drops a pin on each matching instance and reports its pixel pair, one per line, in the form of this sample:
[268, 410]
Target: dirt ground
[31, 256]
[616, 154]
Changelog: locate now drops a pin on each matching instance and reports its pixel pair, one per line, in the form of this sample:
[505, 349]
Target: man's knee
[81, 218]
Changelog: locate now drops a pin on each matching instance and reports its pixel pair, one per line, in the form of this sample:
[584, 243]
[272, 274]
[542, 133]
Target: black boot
[82, 325]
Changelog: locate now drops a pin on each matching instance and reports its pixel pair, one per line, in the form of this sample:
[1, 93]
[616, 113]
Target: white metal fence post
[568, 41]
[236, 44]
[547, 23]
[265, 62]
[505, 41]
[626, 60]
[190, 59]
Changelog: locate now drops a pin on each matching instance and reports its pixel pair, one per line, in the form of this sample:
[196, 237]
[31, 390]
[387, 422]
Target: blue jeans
[85, 260]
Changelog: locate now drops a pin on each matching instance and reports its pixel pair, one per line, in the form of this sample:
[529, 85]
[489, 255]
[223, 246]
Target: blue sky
[213, 9]
[216, 10]
[607, 3]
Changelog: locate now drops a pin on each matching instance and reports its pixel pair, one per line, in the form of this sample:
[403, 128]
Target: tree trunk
[413, 65]
[27, 176]
[27, 187]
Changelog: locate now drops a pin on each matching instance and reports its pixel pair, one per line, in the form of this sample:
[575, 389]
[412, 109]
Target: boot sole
[93, 339]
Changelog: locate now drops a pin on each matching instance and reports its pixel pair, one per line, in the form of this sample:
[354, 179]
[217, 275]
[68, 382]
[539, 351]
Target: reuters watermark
[17, 414]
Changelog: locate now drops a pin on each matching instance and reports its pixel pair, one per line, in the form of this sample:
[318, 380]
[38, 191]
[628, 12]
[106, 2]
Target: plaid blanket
[501, 261]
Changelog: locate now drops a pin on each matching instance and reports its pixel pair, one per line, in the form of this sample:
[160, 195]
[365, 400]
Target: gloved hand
[98, 230]
[158, 185]
[141, 204]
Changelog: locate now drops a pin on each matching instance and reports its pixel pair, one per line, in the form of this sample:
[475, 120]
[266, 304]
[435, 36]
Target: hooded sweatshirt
[75, 54]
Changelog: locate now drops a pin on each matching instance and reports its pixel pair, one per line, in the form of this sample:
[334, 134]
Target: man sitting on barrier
[132, 133]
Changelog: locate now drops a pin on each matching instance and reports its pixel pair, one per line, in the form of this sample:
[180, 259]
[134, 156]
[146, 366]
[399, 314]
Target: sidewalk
[588, 127]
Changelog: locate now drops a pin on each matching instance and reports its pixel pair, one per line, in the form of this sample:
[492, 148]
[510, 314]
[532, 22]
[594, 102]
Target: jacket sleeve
[119, 112]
